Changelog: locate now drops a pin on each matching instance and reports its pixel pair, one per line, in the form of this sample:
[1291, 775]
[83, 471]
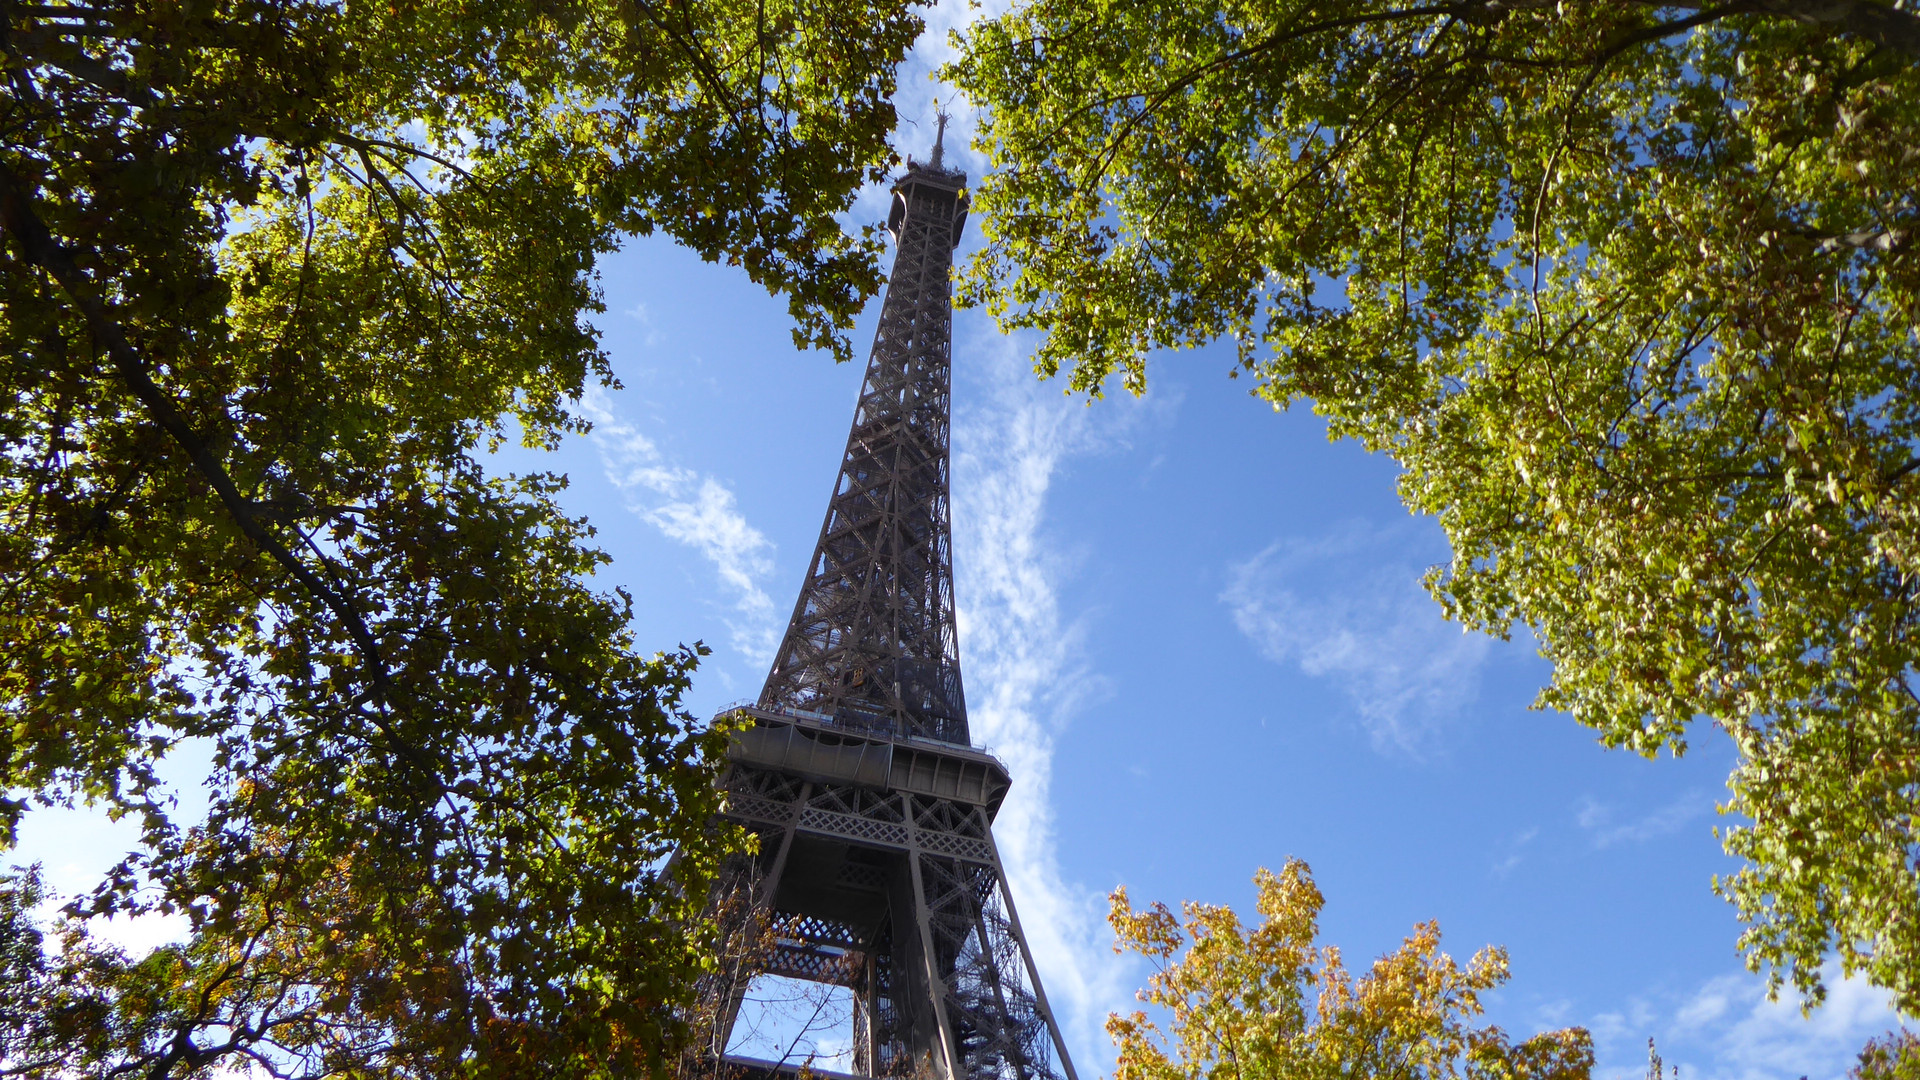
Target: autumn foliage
[1268, 1002]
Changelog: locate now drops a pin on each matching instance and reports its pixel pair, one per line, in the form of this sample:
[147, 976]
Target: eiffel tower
[876, 861]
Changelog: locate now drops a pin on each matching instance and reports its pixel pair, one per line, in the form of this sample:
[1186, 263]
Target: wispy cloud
[1726, 1029]
[1349, 607]
[695, 510]
[1026, 672]
[643, 315]
[1600, 820]
[1515, 851]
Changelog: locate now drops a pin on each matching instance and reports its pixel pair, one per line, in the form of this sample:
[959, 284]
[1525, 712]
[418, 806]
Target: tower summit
[877, 862]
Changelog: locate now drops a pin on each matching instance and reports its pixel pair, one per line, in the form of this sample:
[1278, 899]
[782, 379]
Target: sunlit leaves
[1268, 1002]
[275, 275]
[1628, 289]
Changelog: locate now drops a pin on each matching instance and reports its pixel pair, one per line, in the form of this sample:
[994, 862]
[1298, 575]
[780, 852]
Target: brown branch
[1887, 240]
[1884, 25]
[39, 46]
[41, 249]
[374, 146]
[704, 72]
[1701, 17]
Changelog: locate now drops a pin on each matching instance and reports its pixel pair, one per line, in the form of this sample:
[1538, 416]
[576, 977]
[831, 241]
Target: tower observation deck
[877, 863]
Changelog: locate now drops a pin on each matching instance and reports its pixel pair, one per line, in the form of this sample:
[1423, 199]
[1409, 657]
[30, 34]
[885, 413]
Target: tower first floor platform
[877, 865]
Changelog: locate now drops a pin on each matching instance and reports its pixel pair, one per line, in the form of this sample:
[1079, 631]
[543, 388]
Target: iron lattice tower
[877, 863]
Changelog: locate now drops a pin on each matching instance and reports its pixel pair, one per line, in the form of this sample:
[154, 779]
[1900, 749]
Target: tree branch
[1882, 24]
[1888, 240]
[41, 249]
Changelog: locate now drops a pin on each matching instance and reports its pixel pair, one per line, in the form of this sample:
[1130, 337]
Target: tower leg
[1001, 1029]
[1033, 973]
[948, 1057]
[746, 900]
[864, 1018]
[901, 898]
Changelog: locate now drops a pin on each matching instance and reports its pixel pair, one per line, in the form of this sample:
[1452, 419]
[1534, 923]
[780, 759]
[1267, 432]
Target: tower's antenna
[939, 140]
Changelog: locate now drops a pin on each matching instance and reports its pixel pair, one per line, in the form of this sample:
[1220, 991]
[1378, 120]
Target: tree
[1628, 289]
[274, 275]
[1240, 1007]
[1896, 1056]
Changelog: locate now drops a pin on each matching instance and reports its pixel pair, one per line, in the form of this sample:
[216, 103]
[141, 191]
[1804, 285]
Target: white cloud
[643, 315]
[1772, 1039]
[695, 510]
[1726, 1029]
[74, 847]
[1514, 855]
[706, 519]
[1025, 670]
[1598, 819]
[1349, 607]
[1708, 1005]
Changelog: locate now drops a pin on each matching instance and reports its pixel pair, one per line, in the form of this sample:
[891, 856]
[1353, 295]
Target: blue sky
[1194, 630]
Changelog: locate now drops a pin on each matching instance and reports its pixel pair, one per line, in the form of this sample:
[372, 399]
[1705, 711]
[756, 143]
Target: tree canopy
[275, 275]
[1894, 1056]
[1630, 291]
[1267, 1002]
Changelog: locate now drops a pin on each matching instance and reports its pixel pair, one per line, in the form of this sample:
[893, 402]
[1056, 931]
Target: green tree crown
[275, 275]
[1628, 288]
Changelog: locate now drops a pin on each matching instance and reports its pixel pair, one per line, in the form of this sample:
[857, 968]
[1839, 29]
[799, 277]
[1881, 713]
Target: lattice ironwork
[960, 847]
[999, 1020]
[858, 802]
[947, 816]
[816, 930]
[880, 1046]
[872, 640]
[861, 876]
[754, 808]
[877, 868]
[837, 967]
